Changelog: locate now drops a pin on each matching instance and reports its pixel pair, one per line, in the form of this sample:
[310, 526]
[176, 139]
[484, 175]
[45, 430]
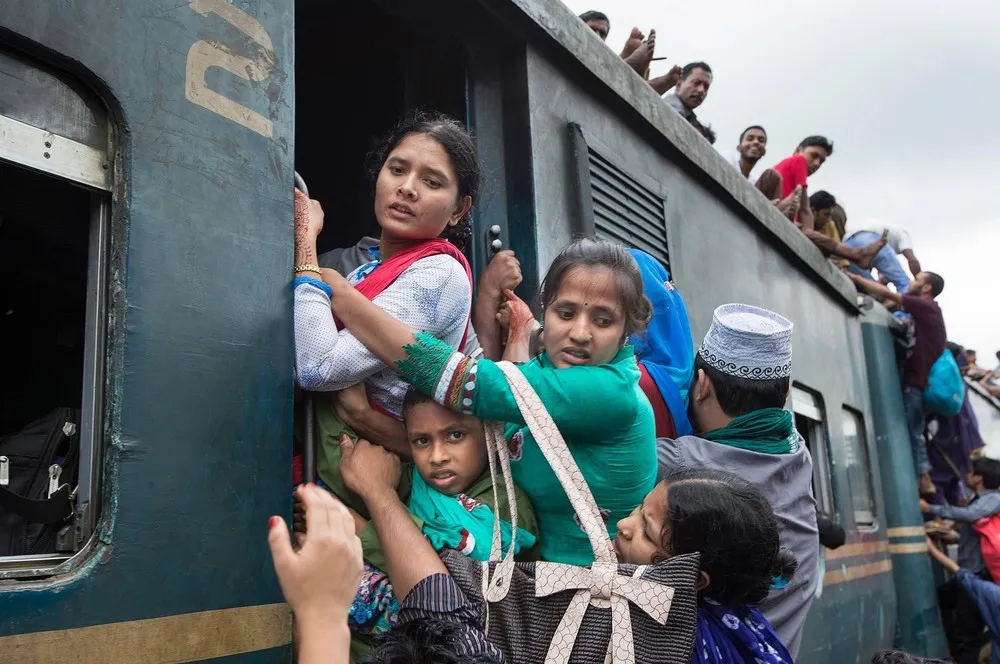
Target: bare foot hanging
[663, 84]
[867, 253]
[633, 42]
[642, 56]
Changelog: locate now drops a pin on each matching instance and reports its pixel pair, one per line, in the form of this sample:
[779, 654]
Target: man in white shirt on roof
[898, 241]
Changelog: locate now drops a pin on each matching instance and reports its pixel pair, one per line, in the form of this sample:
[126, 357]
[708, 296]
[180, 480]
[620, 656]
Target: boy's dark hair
[588, 252]
[414, 397]
[822, 200]
[594, 15]
[691, 66]
[732, 525]
[454, 138]
[743, 135]
[900, 657]
[989, 470]
[739, 396]
[423, 641]
[819, 142]
[936, 282]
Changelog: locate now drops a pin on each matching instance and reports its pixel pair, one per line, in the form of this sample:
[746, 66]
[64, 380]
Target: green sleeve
[581, 400]
[371, 547]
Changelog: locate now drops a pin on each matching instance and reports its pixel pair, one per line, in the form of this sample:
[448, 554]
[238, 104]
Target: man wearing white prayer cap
[742, 373]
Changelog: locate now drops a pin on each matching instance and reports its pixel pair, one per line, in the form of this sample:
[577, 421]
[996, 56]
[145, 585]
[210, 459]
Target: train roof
[564, 34]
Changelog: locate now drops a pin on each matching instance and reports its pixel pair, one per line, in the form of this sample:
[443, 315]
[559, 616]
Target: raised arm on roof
[876, 289]
[912, 262]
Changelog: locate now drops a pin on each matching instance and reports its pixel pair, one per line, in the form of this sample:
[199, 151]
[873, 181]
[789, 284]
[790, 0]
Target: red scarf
[388, 271]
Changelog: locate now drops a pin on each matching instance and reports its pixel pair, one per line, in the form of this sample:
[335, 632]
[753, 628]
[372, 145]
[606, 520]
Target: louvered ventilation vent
[625, 211]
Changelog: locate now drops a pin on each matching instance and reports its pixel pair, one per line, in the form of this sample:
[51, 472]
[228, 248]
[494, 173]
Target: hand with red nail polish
[320, 579]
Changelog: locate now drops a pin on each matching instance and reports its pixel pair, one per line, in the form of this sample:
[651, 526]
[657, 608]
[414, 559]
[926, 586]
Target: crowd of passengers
[942, 445]
[685, 448]
[411, 357]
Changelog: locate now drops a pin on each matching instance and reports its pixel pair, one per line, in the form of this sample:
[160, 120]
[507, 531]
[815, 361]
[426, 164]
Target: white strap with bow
[599, 585]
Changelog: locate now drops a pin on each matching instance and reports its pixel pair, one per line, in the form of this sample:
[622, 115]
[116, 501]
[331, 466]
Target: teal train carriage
[148, 151]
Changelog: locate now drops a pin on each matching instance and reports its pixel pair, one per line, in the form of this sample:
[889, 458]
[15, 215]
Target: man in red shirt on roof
[928, 346]
[795, 171]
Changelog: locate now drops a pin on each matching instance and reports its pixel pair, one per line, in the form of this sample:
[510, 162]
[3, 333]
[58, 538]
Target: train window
[810, 420]
[859, 470]
[55, 176]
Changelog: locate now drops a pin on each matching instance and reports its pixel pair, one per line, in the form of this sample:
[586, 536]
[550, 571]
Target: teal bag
[945, 391]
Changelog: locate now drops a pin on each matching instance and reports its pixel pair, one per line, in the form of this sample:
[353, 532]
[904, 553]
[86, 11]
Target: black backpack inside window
[39, 471]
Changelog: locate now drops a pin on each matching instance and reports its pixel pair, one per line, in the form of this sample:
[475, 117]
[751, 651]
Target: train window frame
[88, 162]
[864, 519]
[808, 405]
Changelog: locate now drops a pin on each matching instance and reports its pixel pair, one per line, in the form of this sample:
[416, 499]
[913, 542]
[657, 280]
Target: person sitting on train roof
[598, 22]
[809, 156]
[665, 350]
[451, 499]
[637, 52]
[732, 526]
[741, 383]
[826, 237]
[690, 93]
[962, 620]
[319, 580]
[749, 151]
[586, 377]
[972, 368]
[898, 241]
[929, 344]
[427, 180]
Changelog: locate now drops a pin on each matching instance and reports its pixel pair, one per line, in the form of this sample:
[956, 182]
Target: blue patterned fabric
[666, 348]
[739, 635]
[374, 609]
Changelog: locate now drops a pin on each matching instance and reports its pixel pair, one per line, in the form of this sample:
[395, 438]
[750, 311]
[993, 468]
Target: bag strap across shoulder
[560, 459]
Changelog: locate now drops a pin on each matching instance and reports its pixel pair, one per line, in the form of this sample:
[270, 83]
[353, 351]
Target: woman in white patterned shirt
[428, 176]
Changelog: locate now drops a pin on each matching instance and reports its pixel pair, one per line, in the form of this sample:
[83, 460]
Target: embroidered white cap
[749, 342]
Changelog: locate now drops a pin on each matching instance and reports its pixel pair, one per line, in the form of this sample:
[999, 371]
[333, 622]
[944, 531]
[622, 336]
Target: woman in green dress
[586, 376]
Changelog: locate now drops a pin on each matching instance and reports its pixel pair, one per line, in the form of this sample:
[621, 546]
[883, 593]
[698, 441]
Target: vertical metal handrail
[309, 442]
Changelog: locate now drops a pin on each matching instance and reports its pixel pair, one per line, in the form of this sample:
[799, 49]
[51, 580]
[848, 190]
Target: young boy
[451, 500]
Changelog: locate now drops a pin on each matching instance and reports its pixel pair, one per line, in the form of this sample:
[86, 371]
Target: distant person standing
[898, 242]
[931, 337]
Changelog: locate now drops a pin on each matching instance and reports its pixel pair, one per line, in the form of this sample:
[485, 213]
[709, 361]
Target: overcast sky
[907, 91]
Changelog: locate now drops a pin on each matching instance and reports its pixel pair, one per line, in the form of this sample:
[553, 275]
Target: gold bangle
[308, 267]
